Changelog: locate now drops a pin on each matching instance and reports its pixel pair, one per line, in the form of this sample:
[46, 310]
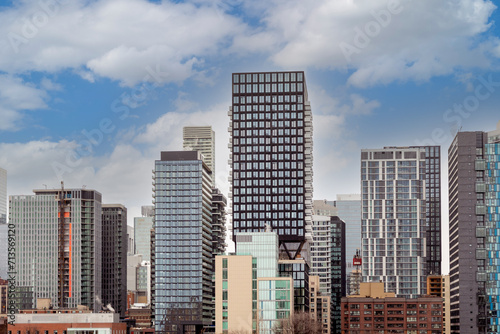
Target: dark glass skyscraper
[114, 257]
[182, 270]
[271, 157]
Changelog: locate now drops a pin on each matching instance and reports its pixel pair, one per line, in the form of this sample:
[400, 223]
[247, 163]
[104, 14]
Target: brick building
[379, 313]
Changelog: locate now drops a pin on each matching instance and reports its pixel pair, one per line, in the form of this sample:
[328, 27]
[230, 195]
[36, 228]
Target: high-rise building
[182, 263]
[320, 305]
[338, 270]
[114, 257]
[142, 233]
[58, 246]
[439, 286]
[321, 253]
[271, 157]
[349, 210]
[3, 196]
[401, 221]
[202, 139]
[219, 203]
[474, 198]
[130, 240]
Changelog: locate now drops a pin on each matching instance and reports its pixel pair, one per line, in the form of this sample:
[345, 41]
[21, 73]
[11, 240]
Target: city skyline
[97, 113]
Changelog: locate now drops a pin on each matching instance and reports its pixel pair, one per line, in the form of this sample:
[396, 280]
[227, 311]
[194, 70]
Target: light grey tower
[271, 157]
[202, 139]
[400, 226]
[183, 243]
[58, 246]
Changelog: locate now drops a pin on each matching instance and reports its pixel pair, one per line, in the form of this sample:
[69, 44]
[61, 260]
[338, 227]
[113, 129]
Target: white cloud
[415, 40]
[16, 97]
[116, 39]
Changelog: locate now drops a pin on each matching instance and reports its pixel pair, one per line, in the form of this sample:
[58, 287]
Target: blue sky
[132, 73]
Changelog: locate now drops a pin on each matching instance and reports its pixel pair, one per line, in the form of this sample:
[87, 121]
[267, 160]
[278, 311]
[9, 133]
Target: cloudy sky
[92, 91]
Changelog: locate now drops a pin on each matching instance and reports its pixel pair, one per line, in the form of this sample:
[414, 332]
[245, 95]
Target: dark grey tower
[271, 151]
[114, 257]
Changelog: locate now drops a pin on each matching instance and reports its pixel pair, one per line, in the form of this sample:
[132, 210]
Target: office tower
[338, 270]
[130, 240]
[202, 139]
[142, 233]
[58, 246]
[400, 218]
[182, 263]
[474, 190]
[349, 210]
[114, 257]
[271, 156]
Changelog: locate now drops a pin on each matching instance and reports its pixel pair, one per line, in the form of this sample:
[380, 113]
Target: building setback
[114, 257]
[271, 156]
[401, 222]
[202, 139]
[58, 247]
[182, 263]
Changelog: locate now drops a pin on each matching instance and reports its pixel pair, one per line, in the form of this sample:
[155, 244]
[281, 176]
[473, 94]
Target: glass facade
[142, 236]
[399, 240]
[491, 201]
[114, 257]
[275, 303]
[271, 147]
[349, 210]
[298, 270]
[183, 243]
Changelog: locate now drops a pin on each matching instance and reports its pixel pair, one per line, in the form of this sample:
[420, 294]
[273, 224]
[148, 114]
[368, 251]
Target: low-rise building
[375, 311]
[66, 321]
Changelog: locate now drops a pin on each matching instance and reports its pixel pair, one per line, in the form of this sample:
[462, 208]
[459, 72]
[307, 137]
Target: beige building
[319, 305]
[439, 285]
[373, 290]
[245, 303]
[233, 294]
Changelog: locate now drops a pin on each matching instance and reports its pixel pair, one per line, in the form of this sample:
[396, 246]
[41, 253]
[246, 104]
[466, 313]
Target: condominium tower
[201, 138]
[474, 201]
[271, 157]
[401, 223]
[183, 243]
[58, 246]
[114, 257]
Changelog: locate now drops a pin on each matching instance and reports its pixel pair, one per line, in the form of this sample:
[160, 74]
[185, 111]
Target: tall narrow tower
[182, 243]
[401, 220]
[474, 195]
[271, 157]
